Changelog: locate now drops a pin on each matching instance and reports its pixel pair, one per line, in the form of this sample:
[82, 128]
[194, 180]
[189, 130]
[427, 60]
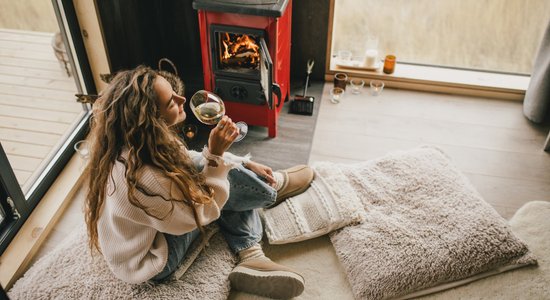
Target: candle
[190, 130]
[376, 87]
[336, 95]
[370, 59]
[389, 64]
[82, 149]
[85, 153]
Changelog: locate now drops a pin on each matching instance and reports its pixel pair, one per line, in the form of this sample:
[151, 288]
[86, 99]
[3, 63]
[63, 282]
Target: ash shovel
[303, 104]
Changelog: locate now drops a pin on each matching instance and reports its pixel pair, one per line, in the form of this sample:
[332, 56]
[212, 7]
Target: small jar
[340, 80]
[389, 64]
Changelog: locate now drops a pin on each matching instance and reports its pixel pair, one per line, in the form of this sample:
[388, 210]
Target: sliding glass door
[42, 66]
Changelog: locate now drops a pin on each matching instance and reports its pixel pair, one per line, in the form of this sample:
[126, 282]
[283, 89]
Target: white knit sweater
[131, 241]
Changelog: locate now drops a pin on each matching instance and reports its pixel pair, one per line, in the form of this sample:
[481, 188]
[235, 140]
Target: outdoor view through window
[37, 87]
[490, 35]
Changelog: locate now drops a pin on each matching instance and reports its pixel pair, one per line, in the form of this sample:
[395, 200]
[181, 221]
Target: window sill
[16, 258]
[443, 80]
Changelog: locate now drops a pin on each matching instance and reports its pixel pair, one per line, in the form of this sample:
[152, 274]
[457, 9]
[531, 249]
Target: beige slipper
[296, 180]
[265, 278]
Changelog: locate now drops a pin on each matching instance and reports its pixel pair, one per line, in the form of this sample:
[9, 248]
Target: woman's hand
[222, 136]
[262, 171]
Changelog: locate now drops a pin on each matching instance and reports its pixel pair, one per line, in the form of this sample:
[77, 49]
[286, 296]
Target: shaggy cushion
[532, 224]
[70, 272]
[425, 226]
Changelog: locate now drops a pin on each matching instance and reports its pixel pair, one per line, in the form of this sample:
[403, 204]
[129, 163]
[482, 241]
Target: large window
[40, 119]
[489, 35]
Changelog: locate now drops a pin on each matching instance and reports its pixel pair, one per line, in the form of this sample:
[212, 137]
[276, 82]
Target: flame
[240, 46]
[226, 54]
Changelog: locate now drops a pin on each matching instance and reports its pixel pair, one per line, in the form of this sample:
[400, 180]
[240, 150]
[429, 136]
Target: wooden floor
[37, 103]
[489, 140]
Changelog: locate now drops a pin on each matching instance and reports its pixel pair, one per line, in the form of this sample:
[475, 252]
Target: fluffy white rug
[426, 228]
[70, 272]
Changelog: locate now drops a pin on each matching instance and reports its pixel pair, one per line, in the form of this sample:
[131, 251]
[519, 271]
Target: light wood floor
[37, 102]
[489, 140]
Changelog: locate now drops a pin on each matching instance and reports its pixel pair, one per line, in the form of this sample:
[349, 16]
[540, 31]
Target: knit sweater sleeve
[176, 217]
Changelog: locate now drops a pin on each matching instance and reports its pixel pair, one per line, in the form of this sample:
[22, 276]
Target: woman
[149, 197]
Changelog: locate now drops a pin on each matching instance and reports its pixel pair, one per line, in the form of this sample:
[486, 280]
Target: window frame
[10, 188]
[442, 79]
[5, 208]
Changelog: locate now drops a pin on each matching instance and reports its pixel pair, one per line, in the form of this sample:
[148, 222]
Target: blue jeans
[239, 221]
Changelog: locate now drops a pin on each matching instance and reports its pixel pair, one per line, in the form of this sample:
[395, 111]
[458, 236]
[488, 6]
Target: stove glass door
[266, 73]
[237, 53]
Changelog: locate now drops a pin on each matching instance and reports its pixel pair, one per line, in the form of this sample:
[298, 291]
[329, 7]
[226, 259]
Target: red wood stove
[245, 48]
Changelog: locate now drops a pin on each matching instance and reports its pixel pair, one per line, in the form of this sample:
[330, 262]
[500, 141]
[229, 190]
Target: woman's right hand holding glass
[222, 136]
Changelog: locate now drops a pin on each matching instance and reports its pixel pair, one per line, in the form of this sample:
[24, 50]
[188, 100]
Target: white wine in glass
[209, 109]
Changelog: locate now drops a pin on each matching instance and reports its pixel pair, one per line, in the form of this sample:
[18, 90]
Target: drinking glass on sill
[209, 109]
[376, 87]
[344, 56]
[83, 149]
[356, 86]
[336, 95]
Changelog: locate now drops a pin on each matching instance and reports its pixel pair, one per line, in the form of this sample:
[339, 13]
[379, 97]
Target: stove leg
[272, 127]
[272, 132]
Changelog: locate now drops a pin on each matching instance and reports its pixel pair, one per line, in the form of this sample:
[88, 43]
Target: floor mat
[70, 272]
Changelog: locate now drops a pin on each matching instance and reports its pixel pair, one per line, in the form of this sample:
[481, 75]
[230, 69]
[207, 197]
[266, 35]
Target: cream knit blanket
[329, 204]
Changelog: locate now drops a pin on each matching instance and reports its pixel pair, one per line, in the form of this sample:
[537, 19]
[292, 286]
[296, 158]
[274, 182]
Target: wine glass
[209, 109]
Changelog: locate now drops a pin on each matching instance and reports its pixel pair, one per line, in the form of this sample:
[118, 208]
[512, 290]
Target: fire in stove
[239, 51]
[245, 51]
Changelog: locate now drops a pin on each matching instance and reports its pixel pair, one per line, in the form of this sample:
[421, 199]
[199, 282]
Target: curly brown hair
[126, 118]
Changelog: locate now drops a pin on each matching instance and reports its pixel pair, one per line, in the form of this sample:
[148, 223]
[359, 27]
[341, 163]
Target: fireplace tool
[303, 104]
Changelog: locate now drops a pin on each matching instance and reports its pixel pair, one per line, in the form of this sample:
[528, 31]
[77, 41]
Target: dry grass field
[497, 35]
[30, 15]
